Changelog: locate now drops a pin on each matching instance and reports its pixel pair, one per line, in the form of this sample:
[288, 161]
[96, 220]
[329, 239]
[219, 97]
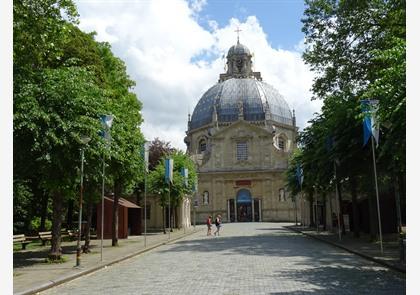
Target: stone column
[236, 211]
[228, 211]
[260, 209]
[252, 209]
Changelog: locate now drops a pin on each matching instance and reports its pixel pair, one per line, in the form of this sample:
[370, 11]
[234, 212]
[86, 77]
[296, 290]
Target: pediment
[241, 128]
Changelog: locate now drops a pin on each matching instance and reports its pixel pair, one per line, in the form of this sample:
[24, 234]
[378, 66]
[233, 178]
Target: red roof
[123, 202]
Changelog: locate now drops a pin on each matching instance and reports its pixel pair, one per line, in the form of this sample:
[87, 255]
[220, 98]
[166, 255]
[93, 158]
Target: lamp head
[85, 139]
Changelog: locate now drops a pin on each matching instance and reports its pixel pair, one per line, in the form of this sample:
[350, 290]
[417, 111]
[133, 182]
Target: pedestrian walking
[218, 224]
[208, 222]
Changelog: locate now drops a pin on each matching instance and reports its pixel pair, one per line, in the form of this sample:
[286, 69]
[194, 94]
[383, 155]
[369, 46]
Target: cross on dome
[237, 32]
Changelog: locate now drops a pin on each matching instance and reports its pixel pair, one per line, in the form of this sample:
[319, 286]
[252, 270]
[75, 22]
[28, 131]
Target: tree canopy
[64, 81]
[357, 51]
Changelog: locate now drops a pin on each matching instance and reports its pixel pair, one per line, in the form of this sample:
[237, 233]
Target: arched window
[206, 198]
[280, 143]
[282, 195]
[202, 146]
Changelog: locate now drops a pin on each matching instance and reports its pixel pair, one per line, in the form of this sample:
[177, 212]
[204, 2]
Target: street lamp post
[106, 122]
[85, 140]
[146, 169]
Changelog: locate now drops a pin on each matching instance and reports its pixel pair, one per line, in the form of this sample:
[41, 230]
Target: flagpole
[377, 196]
[316, 212]
[169, 196]
[106, 121]
[338, 202]
[302, 208]
[145, 204]
[102, 210]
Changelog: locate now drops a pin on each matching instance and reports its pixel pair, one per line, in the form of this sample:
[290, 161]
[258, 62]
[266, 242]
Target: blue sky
[174, 50]
[279, 18]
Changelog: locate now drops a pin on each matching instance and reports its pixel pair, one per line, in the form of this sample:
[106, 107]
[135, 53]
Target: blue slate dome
[238, 49]
[254, 99]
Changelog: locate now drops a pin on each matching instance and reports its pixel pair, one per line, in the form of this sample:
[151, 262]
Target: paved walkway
[361, 246]
[32, 274]
[247, 258]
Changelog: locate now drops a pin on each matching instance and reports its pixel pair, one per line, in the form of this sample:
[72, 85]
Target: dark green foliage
[357, 51]
[63, 81]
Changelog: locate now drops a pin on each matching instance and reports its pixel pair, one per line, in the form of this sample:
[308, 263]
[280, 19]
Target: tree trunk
[402, 185]
[331, 212]
[340, 202]
[44, 211]
[176, 217]
[89, 211]
[164, 219]
[117, 192]
[397, 203]
[324, 211]
[311, 210]
[355, 209]
[55, 252]
[70, 206]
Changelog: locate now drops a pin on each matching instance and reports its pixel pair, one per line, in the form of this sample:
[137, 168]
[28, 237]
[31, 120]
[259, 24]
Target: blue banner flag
[106, 121]
[105, 134]
[184, 173]
[169, 167]
[370, 126]
[329, 143]
[299, 174]
[144, 153]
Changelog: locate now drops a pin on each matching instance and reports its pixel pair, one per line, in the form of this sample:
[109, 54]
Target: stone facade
[183, 212]
[222, 175]
[241, 136]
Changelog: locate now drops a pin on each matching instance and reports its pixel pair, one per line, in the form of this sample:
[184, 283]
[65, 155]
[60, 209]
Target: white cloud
[197, 5]
[174, 60]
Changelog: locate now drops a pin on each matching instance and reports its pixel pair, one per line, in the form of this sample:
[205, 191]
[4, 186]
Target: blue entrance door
[244, 205]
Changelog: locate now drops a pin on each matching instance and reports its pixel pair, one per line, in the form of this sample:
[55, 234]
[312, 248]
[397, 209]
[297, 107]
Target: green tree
[125, 164]
[63, 82]
[50, 118]
[179, 189]
[357, 50]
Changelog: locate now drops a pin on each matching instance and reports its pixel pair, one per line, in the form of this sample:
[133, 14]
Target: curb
[65, 279]
[379, 261]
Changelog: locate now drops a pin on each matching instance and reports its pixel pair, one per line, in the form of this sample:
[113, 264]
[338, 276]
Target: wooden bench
[45, 236]
[93, 234]
[72, 234]
[20, 239]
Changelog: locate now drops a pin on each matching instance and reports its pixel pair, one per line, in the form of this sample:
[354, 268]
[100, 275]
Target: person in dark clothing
[218, 224]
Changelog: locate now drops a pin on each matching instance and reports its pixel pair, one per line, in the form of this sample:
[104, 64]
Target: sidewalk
[360, 246]
[32, 274]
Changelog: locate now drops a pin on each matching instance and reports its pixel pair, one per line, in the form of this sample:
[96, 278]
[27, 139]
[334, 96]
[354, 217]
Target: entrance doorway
[244, 208]
[244, 205]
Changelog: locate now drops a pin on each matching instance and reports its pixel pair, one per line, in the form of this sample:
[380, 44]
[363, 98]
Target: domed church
[241, 135]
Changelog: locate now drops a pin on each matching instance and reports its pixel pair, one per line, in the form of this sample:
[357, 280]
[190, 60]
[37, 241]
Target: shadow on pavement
[29, 258]
[345, 280]
[330, 269]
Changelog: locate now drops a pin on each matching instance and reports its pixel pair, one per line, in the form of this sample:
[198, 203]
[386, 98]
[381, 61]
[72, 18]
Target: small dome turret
[238, 49]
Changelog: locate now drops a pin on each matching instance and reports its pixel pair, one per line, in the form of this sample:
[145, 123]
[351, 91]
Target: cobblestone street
[247, 258]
